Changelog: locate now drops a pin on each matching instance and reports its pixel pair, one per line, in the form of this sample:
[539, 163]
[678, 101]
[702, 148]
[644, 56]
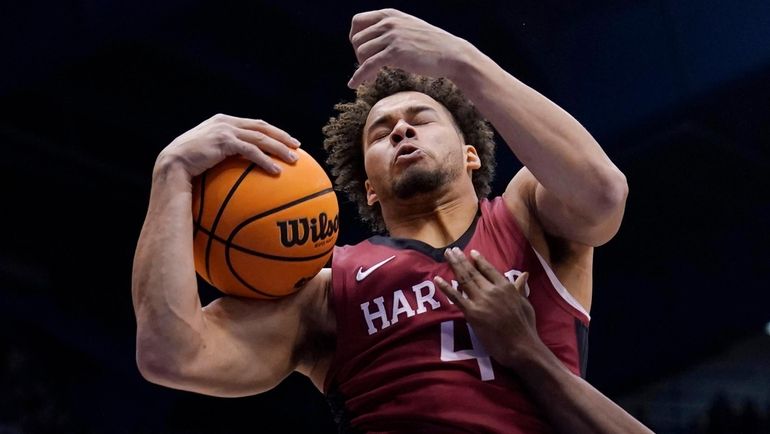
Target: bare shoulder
[571, 261]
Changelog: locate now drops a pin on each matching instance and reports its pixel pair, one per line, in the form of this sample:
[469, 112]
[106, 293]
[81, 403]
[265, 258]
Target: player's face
[411, 147]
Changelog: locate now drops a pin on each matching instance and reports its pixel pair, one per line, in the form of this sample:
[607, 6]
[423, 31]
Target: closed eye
[380, 135]
[422, 118]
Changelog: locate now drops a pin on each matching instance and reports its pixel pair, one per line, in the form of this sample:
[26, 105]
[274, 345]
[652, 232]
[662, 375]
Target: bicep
[247, 346]
[559, 220]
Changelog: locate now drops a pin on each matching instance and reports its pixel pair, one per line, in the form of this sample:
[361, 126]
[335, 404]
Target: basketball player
[470, 316]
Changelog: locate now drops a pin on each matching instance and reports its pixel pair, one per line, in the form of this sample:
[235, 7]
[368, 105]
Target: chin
[415, 182]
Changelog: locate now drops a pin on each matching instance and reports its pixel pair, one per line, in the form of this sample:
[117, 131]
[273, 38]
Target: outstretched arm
[570, 184]
[504, 321]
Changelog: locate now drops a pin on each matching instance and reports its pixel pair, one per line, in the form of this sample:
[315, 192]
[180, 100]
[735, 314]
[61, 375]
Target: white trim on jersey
[560, 288]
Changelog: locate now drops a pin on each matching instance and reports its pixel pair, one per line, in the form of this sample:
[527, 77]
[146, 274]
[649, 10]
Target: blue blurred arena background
[677, 93]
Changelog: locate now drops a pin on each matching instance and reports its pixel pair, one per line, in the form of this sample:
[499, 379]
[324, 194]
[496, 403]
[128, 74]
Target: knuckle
[222, 131]
[388, 37]
[221, 136]
[219, 117]
[260, 137]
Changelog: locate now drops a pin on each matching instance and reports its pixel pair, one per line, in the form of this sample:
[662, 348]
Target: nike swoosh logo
[361, 274]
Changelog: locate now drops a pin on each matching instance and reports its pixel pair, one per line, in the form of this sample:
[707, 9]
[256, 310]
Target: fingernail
[295, 141]
[439, 280]
[293, 157]
[447, 252]
[474, 253]
[276, 169]
[457, 250]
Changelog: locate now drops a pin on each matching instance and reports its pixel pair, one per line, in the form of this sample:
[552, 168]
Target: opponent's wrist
[527, 355]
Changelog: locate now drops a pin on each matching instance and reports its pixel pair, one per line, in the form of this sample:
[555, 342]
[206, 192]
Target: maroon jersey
[406, 360]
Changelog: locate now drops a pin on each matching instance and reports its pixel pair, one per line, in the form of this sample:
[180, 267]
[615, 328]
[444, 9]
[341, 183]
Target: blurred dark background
[677, 92]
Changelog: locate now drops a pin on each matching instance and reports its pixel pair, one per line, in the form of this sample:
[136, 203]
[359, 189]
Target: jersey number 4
[448, 353]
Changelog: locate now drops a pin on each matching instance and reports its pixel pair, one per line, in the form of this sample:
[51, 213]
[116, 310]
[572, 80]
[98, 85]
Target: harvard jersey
[406, 360]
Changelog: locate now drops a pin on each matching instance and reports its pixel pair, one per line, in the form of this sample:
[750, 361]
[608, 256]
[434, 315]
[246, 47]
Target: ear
[472, 160]
[371, 196]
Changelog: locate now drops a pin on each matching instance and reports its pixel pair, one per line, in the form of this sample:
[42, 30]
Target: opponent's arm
[573, 188]
[504, 322]
[233, 346]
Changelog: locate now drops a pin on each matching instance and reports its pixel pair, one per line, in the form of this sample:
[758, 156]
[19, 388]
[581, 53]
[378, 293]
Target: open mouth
[405, 150]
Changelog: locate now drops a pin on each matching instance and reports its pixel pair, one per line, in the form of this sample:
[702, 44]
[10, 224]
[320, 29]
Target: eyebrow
[410, 111]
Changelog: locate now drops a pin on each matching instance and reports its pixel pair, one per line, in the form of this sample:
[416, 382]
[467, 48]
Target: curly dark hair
[344, 134]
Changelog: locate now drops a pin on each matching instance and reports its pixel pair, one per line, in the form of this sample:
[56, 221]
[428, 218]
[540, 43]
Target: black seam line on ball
[229, 243]
[200, 208]
[219, 216]
[279, 208]
[240, 248]
[241, 225]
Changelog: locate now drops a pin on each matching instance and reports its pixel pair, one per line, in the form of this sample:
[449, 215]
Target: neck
[436, 220]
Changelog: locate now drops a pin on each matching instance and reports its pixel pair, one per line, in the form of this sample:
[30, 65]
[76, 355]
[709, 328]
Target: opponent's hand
[502, 318]
[222, 136]
[389, 37]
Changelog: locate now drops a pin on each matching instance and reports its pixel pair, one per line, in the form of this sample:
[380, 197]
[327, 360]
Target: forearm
[571, 404]
[164, 287]
[553, 145]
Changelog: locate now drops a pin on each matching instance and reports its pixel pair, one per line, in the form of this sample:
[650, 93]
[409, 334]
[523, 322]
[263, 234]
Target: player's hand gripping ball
[260, 235]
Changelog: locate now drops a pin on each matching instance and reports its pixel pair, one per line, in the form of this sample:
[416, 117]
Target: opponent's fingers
[364, 20]
[521, 283]
[488, 270]
[368, 70]
[453, 294]
[256, 125]
[267, 144]
[470, 280]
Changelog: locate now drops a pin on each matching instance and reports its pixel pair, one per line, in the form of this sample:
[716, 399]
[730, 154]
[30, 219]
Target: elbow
[162, 362]
[154, 366]
[605, 201]
[616, 191]
[611, 194]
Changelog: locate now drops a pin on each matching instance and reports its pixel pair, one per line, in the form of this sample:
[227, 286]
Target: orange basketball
[260, 235]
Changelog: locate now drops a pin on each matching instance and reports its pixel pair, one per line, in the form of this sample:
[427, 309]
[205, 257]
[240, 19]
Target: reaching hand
[389, 37]
[500, 315]
[222, 136]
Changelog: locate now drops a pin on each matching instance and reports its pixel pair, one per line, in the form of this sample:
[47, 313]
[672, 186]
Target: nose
[402, 131]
